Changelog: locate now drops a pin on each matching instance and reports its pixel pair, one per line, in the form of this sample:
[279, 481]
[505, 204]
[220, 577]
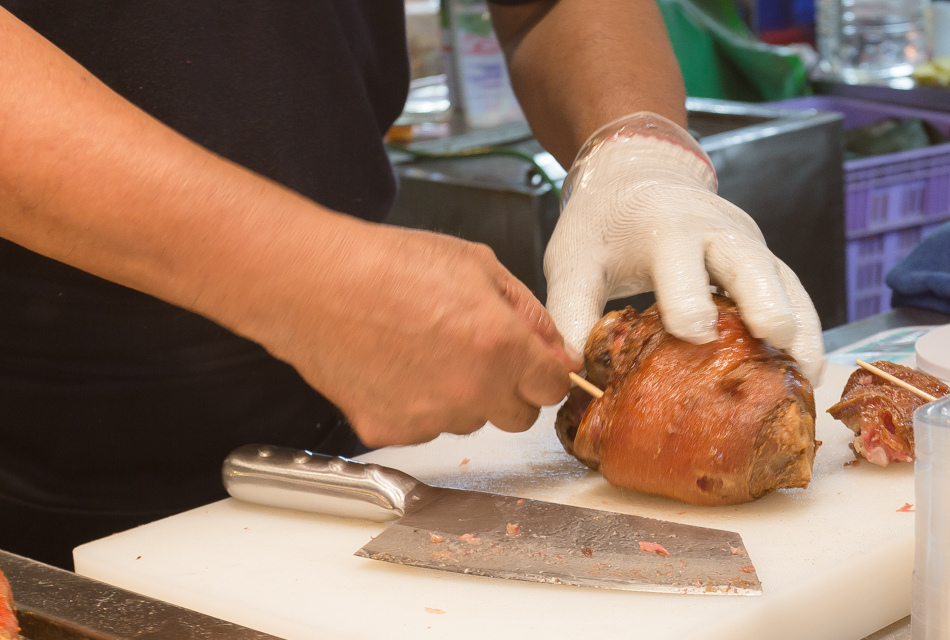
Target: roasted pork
[712, 424]
[9, 629]
[881, 414]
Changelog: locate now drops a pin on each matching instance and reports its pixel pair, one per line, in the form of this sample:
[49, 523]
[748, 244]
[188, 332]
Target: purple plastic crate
[892, 201]
[869, 259]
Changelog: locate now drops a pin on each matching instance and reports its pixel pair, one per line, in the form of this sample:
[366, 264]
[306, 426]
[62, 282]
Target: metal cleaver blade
[496, 536]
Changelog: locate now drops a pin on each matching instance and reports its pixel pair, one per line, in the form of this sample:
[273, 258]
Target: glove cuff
[669, 144]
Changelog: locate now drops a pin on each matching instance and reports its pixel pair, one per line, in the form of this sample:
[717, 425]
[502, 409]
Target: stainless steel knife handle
[297, 479]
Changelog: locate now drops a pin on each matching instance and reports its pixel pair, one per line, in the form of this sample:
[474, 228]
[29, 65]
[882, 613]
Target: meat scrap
[652, 547]
[712, 424]
[881, 414]
[9, 627]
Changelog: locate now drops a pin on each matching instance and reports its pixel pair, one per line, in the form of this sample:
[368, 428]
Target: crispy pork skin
[881, 414]
[9, 629]
[713, 424]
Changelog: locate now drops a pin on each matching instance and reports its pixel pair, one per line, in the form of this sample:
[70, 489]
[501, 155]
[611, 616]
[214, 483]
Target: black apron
[117, 408]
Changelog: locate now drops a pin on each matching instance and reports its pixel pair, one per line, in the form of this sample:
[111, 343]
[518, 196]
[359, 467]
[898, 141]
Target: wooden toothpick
[585, 385]
[900, 383]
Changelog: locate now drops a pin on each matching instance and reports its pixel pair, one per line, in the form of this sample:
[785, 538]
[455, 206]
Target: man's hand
[410, 333]
[413, 333]
[641, 213]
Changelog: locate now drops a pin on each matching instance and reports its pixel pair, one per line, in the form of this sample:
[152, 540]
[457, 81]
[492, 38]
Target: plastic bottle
[941, 22]
[867, 41]
[484, 92]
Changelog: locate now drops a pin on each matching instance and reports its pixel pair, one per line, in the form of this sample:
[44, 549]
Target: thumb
[576, 301]
[536, 318]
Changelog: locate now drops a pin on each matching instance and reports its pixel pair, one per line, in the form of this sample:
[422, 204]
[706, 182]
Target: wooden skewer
[900, 383]
[585, 385]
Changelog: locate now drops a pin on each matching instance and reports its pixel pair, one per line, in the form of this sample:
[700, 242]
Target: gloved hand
[640, 213]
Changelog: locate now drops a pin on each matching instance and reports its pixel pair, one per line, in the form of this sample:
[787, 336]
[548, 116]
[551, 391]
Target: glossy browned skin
[720, 423]
[9, 629]
[869, 402]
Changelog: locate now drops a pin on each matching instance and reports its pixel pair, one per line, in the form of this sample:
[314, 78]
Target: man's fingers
[514, 416]
[681, 285]
[531, 376]
[750, 273]
[544, 380]
[808, 346]
[537, 319]
[773, 304]
[576, 301]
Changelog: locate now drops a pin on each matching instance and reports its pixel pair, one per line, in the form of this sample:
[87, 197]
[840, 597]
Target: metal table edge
[55, 603]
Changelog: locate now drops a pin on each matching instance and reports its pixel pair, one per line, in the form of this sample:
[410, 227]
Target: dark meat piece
[9, 629]
[881, 414]
[719, 423]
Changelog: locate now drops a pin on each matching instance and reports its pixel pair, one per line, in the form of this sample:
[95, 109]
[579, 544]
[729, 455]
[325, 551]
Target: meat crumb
[652, 547]
[435, 538]
[432, 610]
[520, 501]
[464, 462]
[587, 551]
[747, 569]
[907, 508]
[512, 529]
[469, 538]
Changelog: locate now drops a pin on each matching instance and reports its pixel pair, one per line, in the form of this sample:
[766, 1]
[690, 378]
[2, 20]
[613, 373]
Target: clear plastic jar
[930, 605]
[865, 41]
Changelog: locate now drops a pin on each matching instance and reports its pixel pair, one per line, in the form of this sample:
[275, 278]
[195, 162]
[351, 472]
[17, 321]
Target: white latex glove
[640, 213]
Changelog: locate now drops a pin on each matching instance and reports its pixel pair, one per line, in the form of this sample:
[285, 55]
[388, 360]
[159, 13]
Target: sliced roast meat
[881, 414]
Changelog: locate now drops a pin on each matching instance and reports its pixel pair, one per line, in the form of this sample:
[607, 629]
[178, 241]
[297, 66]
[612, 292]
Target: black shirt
[118, 408]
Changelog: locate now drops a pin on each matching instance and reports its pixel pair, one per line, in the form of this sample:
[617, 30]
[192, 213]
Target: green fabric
[720, 58]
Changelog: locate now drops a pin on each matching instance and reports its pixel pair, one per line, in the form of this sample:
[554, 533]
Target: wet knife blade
[497, 536]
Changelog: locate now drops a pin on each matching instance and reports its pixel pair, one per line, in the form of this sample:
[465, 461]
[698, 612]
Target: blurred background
[827, 120]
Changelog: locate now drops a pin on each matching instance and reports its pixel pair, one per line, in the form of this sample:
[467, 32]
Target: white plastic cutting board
[835, 559]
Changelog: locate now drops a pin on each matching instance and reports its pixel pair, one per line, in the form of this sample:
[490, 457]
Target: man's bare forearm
[88, 179]
[576, 65]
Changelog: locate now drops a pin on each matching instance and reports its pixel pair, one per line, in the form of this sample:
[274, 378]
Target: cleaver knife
[494, 535]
